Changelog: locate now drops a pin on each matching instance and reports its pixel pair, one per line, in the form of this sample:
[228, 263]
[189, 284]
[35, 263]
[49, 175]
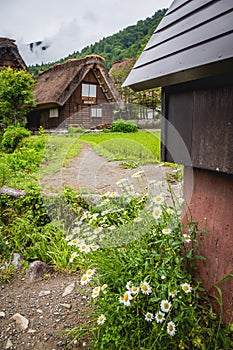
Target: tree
[16, 96]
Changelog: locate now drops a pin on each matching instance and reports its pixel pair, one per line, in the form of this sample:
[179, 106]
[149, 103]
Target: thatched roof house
[67, 89]
[9, 54]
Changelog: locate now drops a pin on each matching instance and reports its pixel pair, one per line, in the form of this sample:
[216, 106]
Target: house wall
[202, 113]
[197, 131]
[211, 206]
[75, 111]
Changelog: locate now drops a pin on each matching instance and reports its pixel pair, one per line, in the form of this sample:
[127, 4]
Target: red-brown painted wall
[211, 205]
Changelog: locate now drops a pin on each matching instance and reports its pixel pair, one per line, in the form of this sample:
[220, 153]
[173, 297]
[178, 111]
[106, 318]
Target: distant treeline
[127, 43]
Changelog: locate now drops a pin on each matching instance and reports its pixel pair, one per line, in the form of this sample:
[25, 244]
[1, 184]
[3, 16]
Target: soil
[52, 312]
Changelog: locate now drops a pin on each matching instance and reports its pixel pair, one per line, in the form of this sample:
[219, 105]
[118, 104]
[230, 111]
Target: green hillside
[127, 43]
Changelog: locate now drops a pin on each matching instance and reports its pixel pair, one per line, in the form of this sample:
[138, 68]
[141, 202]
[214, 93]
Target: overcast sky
[66, 26]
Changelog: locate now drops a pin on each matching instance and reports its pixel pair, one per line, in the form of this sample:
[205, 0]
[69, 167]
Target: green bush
[12, 136]
[124, 126]
[75, 130]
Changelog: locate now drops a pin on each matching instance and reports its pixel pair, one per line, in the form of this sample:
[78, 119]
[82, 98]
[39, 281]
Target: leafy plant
[12, 136]
[139, 265]
[16, 96]
[124, 126]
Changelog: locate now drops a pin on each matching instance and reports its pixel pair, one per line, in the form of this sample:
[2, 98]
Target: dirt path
[91, 172]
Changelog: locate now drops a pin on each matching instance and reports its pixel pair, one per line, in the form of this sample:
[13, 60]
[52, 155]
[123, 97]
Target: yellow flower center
[166, 306]
[144, 287]
[126, 297]
[185, 288]
[170, 327]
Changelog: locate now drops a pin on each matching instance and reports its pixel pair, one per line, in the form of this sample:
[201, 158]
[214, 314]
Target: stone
[44, 292]
[2, 314]
[67, 306]
[69, 289]
[21, 321]
[17, 260]
[36, 270]
[9, 344]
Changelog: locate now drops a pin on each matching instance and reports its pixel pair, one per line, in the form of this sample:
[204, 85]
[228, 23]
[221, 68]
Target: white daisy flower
[72, 257]
[74, 241]
[84, 248]
[145, 288]
[134, 290]
[187, 238]
[114, 195]
[69, 237]
[95, 247]
[138, 219]
[84, 279]
[105, 212]
[165, 305]
[158, 199]
[90, 272]
[101, 319]
[166, 231]
[186, 287]
[84, 216]
[170, 211]
[125, 299]
[157, 212]
[122, 182]
[159, 317]
[149, 317]
[128, 285]
[104, 287]
[171, 328]
[76, 230]
[172, 293]
[98, 230]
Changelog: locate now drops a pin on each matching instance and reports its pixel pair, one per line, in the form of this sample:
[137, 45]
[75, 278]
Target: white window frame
[89, 90]
[53, 113]
[96, 112]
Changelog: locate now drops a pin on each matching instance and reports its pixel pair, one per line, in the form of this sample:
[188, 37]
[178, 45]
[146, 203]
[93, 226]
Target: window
[96, 112]
[88, 90]
[53, 113]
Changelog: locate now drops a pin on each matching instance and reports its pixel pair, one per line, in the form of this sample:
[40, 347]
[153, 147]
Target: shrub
[12, 136]
[124, 126]
[75, 130]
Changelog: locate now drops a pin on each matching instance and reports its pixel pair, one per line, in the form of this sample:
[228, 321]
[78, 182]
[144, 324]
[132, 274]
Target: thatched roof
[9, 54]
[56, 85]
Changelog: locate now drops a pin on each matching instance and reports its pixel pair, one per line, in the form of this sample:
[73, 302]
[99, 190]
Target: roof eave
[182, 76]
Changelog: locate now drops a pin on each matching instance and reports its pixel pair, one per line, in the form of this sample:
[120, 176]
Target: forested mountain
[127, 43]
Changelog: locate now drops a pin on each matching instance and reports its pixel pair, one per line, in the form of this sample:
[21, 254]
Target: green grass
[58, 151]
[142, 146]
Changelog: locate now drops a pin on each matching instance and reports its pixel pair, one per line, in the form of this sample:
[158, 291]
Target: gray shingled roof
[193, 40]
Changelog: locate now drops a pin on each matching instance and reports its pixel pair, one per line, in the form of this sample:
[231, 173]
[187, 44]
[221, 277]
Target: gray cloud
[67, 26]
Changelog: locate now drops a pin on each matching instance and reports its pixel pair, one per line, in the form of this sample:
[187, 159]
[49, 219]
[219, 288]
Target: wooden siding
[74, 110]
[193, 37]
[202, 118]
[211, 206]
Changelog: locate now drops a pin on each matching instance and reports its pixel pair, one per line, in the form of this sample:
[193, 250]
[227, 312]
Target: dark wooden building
[9, 55]
[73, 93]
[191, 56]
